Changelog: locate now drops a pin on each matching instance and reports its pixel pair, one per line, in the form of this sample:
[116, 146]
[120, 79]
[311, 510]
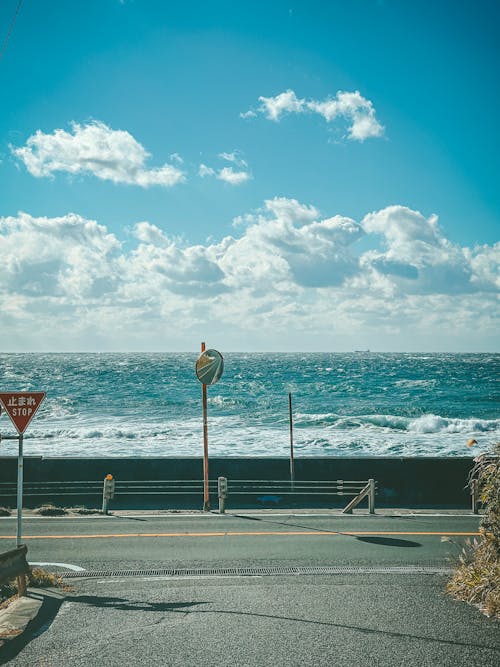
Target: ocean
[358, 404]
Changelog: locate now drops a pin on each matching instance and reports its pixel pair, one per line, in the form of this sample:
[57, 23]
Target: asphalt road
[382, 620]
[197, 540]
[351, 619]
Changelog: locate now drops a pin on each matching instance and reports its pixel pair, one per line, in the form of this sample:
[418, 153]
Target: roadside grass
[37, 578]
[50, 510]
[84, 510]
[5, 511]
[55, 510]
[477, 578]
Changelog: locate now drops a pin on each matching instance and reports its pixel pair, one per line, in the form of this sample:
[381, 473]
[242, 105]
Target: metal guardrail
[14, 564]
[235, 487]
[123, 487]
[337, 487]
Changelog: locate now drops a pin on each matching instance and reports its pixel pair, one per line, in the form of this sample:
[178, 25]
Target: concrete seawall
[402, 482]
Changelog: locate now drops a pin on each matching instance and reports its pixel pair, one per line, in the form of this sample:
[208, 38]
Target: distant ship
[361, 351]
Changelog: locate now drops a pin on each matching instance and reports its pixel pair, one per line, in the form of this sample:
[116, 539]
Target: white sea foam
[437, 424]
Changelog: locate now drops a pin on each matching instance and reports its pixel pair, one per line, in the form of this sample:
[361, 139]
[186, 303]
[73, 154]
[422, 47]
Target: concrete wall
[402, 482]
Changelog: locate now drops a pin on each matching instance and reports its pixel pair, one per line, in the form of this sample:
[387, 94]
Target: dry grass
[84, 510]
[38, 578]
[477, 578]
[50, 510]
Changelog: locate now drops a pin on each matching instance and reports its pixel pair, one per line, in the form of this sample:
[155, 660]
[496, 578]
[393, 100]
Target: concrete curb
[40, 605]
[15, 617]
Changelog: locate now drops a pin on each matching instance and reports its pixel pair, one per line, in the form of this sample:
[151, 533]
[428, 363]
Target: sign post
[209, 368]
[292, 467]
[21, 406]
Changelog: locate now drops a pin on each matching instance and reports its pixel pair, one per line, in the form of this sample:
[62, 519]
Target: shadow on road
[186, 608]
[288, 524]
[388, 541]
[131, 605]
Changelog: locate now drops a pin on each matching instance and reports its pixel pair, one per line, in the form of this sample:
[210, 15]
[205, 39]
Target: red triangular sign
[21, 406]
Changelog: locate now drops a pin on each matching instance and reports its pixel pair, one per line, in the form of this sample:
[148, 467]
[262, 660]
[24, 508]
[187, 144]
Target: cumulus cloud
[63, 257]
[352, 107]
[275, 107]
[228, 174]
[95, 148]
[288, 269]
[416, 252]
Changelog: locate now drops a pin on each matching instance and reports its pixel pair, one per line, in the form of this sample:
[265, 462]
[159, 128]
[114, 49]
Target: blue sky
[296, 176]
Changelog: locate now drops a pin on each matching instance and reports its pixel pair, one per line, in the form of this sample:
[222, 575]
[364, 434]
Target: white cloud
[150, 234]
[205, 171]
[234, 157]
[288, 277]
[64, 257]
[416, 253]
[350, 106]
[175, 157]
[354, 108]
[291, 210]
[112, 155]
[248, 114]
[228, 174]
[275, 107]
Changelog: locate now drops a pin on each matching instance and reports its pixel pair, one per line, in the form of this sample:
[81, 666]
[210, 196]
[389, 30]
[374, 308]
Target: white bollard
[108, 492]
[222, 492]
[371, 496]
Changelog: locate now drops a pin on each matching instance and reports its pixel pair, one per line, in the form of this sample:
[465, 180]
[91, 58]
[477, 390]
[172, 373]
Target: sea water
[358, 404]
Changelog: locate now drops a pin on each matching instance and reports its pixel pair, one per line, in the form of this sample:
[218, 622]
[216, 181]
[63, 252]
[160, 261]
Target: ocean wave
[428, 423]
[436, 424]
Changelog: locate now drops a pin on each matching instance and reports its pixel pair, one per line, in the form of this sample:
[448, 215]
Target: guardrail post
[108, 492]
[371, 496]
[21, 585]
[222, 492]
[474, 491]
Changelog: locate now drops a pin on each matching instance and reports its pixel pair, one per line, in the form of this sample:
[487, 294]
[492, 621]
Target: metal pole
[292, 469]
[206, 497]
[19, 491]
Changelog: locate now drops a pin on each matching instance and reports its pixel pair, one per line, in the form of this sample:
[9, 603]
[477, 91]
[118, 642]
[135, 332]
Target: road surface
[373, 613]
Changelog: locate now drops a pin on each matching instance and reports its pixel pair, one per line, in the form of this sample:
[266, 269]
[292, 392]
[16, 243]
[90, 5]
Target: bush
[477, 578]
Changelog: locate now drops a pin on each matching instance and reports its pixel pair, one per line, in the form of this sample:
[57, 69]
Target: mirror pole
[206, 497]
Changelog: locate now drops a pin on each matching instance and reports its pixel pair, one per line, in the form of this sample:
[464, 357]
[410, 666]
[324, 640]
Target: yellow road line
[308, 533]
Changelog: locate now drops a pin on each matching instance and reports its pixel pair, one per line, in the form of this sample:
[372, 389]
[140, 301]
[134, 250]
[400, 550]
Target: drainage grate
[257, 571]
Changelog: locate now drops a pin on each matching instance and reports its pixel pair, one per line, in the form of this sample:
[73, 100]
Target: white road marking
[68, 566]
